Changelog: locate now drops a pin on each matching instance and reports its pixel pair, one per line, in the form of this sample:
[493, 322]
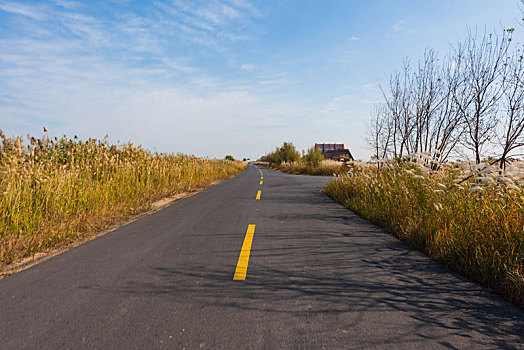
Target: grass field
[475, 227]
[57, 191]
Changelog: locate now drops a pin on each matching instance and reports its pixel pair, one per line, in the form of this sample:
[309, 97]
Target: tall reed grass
[56, 191]
[476, 227]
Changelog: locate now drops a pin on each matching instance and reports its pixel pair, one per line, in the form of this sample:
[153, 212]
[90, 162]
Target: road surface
[252, 263]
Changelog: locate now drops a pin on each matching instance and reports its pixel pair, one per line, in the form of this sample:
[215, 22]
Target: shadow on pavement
[327, 262]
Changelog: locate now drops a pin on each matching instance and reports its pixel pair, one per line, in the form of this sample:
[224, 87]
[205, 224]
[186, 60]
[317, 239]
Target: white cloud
[203, 22]
[362, 96]
[230, 12]
[397, 27]
[91, 97]
[68, 4]
[88, 28]
[274, 82]
[248, 67]
[249, 8]
[33, 12]
[354, 38]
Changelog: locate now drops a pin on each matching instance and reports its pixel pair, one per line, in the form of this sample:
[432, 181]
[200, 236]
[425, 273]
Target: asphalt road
[318, 277]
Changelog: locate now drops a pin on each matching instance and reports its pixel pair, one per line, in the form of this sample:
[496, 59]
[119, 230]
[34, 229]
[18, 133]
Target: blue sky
[212, 78]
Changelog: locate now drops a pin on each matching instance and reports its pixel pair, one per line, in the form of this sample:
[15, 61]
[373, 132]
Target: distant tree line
[466, 103]
[287, 153]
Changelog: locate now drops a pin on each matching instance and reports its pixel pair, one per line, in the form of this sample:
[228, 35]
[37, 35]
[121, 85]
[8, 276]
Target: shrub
[313, 157]
[285, 154]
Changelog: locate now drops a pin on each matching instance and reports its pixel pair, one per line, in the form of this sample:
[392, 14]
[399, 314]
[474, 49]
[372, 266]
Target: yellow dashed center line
[243, 259]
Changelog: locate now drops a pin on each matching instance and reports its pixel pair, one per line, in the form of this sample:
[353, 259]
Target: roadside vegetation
[474, 227]
[469, 215]
[57, 191]
[287, 159]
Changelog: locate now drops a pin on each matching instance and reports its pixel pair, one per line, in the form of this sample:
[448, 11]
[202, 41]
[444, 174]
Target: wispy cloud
[362, 96]
[247, 67]
[247, 7]
[68, 4]
[401, 27]
[126, 38]
[354, 38]
[34, 12]
[397, 27]
[205, 22]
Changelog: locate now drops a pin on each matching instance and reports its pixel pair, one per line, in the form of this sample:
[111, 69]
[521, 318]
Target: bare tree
[398, 100]
[479, 62]
[427, 99]
[380, 132]
[454, 107]
[422, 113]
[392, 98]
[448, 125]
[407, 121]
[512, 135]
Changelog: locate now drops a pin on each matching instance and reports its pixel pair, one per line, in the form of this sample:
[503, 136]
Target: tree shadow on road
[345, 273]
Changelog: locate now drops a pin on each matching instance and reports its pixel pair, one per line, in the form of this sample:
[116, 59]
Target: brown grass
[57, 191]
[475, 228]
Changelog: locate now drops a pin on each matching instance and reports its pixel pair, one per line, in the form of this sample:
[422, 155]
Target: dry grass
[57, 191]
[326, 168]
[475, 228]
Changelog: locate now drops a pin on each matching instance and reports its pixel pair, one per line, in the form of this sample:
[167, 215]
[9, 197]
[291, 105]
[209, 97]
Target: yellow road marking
[261, 182]
[261, 177]
[243, 259]
[258, 194]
